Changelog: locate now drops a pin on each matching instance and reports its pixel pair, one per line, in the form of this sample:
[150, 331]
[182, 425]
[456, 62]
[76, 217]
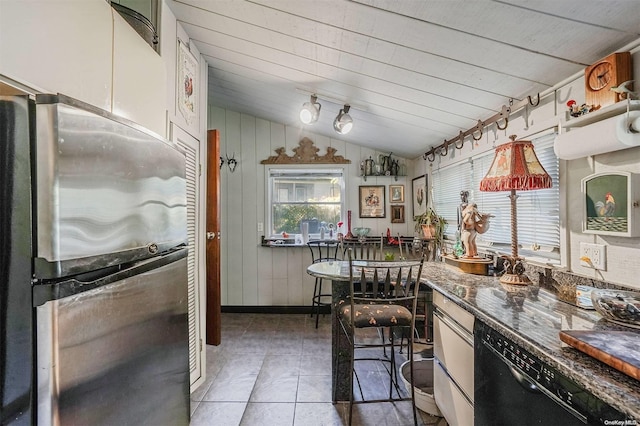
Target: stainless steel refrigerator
[93, 269]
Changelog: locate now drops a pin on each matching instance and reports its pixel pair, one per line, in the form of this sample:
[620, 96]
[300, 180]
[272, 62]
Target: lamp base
[514, 272]
[515, 279]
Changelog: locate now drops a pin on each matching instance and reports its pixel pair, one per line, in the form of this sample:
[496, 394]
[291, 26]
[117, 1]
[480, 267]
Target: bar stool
[321, 251]
[389, 305]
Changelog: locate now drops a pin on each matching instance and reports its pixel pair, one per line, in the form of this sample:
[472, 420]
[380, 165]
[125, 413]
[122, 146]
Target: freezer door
[116, 354]
[108, 190]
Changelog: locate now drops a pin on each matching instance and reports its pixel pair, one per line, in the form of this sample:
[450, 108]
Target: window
[538, 211]
[312, 195]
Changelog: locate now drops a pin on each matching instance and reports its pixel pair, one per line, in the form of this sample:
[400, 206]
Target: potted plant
[430, 226]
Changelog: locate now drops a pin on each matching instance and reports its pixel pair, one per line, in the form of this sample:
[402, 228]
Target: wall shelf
[602, 114]
[386, 166]
[609, 129]
[395, 177]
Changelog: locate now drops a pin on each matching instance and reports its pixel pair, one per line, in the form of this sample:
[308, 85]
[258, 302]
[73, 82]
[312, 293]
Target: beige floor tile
[268, 414]
[218, 414]
[276, 370]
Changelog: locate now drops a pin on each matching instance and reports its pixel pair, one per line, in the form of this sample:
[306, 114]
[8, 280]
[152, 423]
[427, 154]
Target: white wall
[254, 275]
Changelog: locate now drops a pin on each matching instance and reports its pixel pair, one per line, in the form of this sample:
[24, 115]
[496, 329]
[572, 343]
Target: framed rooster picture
[419, 195]
[610, 204]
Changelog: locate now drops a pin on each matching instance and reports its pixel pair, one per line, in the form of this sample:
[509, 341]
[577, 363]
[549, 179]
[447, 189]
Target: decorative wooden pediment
[306, 153]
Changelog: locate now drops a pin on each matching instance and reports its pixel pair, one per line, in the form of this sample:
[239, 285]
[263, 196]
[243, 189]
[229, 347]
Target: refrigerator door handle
[44, 291]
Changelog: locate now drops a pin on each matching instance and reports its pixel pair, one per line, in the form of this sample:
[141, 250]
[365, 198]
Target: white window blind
[447, 184]
[538, 211]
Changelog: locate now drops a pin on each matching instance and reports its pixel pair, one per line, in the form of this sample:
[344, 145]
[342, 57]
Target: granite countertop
[536, 326]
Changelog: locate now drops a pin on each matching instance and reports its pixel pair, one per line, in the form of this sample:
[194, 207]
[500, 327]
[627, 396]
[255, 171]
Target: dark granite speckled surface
[535, 326]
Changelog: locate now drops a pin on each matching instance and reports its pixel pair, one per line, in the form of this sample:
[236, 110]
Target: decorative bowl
[618, 306]
[361, 232]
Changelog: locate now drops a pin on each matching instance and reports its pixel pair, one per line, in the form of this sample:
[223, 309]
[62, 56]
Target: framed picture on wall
[419, 195]
[372, 203]
[187, 84]
[608, 204]
[396, 193]
[397, 214]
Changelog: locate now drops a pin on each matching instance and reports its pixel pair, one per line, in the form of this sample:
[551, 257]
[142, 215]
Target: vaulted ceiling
[415, 72]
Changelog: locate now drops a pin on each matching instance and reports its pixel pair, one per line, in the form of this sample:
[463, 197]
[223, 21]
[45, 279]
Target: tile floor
[275, 369]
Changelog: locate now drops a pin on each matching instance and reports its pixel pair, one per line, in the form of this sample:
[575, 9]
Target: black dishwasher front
[514, 387]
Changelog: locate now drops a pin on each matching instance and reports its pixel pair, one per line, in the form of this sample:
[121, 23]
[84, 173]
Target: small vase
[349, 234]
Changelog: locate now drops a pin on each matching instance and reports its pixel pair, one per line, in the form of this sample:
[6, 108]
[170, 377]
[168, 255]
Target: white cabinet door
[454, 350]
[59, 47]
[139, 79]
[454, 361]
[453, 405]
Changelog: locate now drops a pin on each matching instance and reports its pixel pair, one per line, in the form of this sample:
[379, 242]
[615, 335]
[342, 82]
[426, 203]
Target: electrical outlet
[599, 256]
[260, 227]
[593, 256]
[585, 255]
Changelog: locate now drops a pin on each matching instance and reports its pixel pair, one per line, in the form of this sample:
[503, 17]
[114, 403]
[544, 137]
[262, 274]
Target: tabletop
[339, 270]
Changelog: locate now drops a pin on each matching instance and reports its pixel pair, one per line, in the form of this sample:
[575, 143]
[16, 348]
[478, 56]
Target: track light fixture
[343, 122]
[310, 111]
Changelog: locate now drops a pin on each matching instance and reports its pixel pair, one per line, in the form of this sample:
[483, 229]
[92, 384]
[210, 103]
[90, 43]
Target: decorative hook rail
[478, 129]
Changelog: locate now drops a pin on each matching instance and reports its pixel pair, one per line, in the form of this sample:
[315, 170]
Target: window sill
[542, 258]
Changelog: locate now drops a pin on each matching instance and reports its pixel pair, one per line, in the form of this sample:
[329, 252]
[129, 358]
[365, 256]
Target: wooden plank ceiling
[415, 72]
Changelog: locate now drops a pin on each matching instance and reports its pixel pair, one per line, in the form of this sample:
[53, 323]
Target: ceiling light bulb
[310, 111]
[343, 122]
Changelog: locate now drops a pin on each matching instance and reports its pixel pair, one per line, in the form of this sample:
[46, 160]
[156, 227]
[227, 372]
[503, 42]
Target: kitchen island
[535, 324]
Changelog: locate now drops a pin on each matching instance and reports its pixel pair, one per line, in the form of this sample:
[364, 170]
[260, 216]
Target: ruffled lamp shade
[515, 167]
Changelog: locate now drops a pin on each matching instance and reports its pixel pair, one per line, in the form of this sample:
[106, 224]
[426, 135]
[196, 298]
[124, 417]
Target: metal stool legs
[316, 301]
[393, 371]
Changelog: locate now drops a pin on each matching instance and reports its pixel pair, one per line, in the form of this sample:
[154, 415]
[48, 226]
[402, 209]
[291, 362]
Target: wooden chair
[389, 304]
[367, 248]
[410, 247]
[321, 251]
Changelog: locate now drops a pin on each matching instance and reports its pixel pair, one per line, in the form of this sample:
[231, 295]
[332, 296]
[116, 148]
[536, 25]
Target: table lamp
[515, 167]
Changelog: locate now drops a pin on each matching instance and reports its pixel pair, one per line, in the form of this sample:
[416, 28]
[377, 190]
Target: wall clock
[600, 77]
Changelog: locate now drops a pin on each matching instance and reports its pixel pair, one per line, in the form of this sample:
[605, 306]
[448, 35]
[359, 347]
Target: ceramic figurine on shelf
[458, 248]
[576, 110]
[473, 223]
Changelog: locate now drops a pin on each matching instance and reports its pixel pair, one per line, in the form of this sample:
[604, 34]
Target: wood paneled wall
[254, 275]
